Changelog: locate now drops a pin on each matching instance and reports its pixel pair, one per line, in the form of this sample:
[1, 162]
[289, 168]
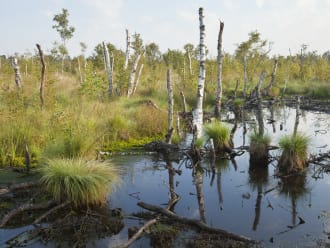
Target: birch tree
[198, 112]
[219, 72]
[189, 48]
[132, 75]
[108, 67]
[128, 46]
[18, 79]
[170, 107]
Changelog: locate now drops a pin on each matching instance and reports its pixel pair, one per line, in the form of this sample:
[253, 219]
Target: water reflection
[198, 181]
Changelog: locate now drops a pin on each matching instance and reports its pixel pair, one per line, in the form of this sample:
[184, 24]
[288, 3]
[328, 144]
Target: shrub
[81, 182]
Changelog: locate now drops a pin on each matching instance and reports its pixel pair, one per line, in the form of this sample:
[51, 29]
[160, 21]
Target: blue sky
[170, 24]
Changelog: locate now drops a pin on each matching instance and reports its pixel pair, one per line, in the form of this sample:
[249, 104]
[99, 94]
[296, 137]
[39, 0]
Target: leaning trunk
[198, 112]
[132, 76]
[219, 73]
[137, 79]
[108, 67]
[266, 91]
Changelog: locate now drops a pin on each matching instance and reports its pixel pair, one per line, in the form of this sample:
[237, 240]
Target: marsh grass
[84, 183]
[259, 149]
[294, 152]
[220, 134]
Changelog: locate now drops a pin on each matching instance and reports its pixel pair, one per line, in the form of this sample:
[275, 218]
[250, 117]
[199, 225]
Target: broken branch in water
[193, 222]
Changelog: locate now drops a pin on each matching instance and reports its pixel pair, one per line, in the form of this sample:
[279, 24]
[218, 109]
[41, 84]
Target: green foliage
[219, 132]
[259, 143]
[78, 181]
[62, 25]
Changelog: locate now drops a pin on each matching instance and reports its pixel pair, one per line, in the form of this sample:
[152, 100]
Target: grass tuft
[84, 183]
[220, 134]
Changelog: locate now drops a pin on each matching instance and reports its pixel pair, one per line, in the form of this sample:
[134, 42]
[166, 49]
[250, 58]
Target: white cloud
[260, 3]
[109, 8]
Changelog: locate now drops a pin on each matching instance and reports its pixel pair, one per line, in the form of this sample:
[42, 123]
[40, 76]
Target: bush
[81, 182]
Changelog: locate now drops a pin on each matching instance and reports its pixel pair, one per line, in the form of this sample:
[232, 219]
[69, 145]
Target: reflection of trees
[198, 180]
[272, 117]
[220, 165]
[258, 177]
[294, 186]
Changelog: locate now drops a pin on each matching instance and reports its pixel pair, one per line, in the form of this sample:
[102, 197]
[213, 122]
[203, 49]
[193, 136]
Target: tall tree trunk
[170, 107]
[266, 91]
[18, 79]
[108, 67]
[198, 112]
[79, 69]
[189, 61]
[183, 100]
[43, 76]
[132, 76]
[219, 72]
[296, 123]
[128, 45]
[137, 79]
[245, 76]
[256, 92]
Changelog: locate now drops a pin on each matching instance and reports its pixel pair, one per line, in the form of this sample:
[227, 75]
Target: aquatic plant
[82, 182]
[220, 134]
[294, 152]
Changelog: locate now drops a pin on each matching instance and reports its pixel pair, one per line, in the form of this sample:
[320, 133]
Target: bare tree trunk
[295, 129]
[132, 76]
[137, 79]
[219, 72]
[183, 99]
[198, 112]
[128, 45]
[79, 69]
[18, 79]
[256, 92]
[43, 76]
[26, 69]
[236, 87]
[184, 70]
[170, 107]
[266, 91]
[245, 76]
[108, 66]
[189, 61]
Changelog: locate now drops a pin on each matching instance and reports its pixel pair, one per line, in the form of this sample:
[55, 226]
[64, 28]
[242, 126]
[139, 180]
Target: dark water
[238, 198]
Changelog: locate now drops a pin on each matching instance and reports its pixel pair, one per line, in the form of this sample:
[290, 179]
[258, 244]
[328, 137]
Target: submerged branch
[193, 222]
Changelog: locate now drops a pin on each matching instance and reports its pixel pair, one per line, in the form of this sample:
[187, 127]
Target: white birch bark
[183, 100]
[137, 79]
[198, 112]
[132, 76]
[266, 91]
[219, 73]
[18, 79]
[128, 45]
[261, 79]
[108, 67]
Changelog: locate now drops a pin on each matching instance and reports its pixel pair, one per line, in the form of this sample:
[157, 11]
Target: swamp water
[279, 212]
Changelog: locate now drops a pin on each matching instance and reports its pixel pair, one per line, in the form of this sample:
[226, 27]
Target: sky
[169, 23]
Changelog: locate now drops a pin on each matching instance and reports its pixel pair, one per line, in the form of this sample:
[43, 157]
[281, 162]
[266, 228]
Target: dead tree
[183, 99]
[266, 91]
[256, 92]
[18, 79]
[108, 67]
[43, 76]
[128, 45]
[245, 76]
[219, 72]
[198, 112]
[137, 79]
[170, 107]
[132, 75]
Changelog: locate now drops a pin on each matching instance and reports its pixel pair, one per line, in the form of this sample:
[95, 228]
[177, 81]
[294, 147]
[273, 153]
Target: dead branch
[18, 186]
[138, 233]
[64, 204]
[196, 223]
[25, 207]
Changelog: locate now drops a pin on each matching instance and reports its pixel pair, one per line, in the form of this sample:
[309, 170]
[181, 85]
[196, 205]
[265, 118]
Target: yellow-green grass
[220, 134]
[84, 183]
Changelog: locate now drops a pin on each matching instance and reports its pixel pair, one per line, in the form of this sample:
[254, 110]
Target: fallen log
[39, 219]
[25, 207]
[18, 186]
[196, 223]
